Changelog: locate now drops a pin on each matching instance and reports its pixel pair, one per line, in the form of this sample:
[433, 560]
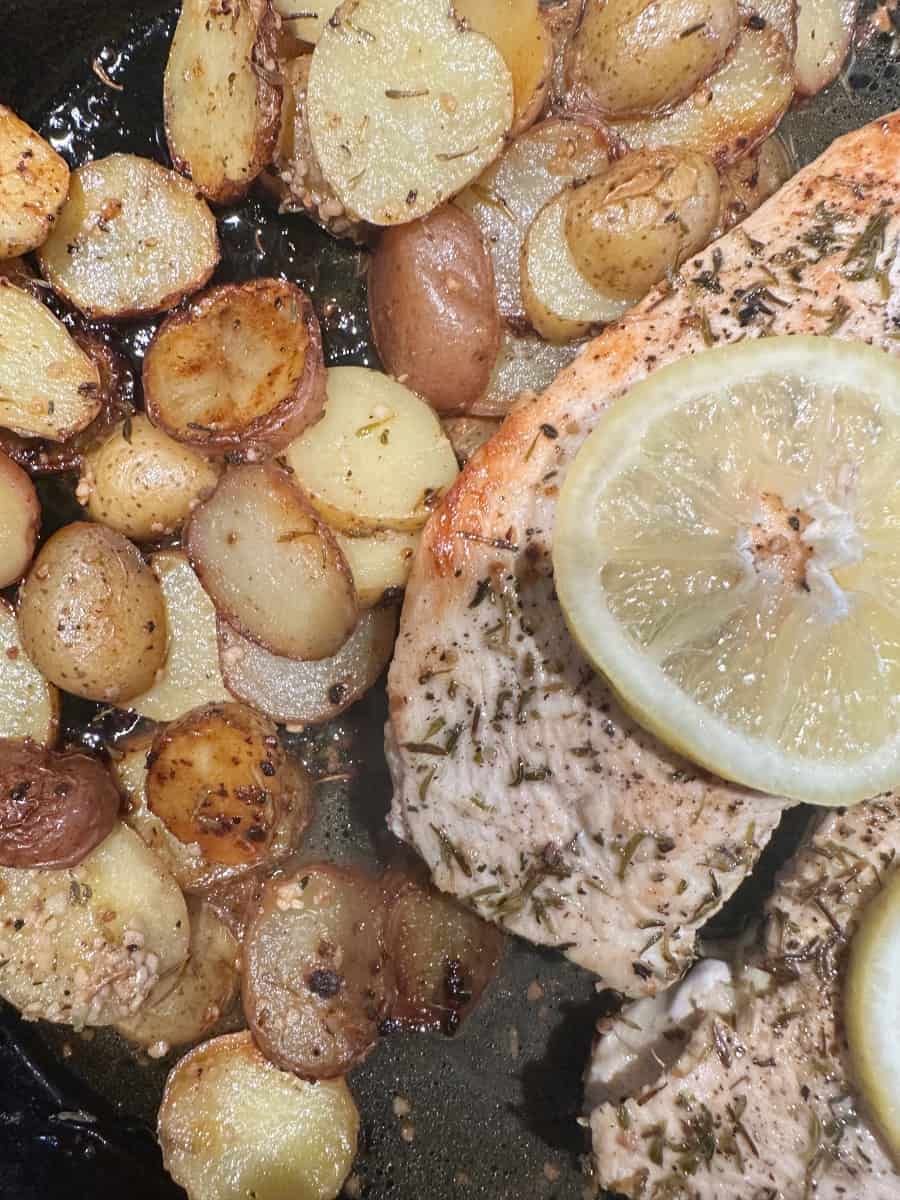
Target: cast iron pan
[493, 1111]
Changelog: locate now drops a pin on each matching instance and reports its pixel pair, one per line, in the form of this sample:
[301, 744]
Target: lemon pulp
[727, 552]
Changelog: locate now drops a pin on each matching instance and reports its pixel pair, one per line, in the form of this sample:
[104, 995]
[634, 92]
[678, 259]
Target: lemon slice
[872, 1009]
[727, 553]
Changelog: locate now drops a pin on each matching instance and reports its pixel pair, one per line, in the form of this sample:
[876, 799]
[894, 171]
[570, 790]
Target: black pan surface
[492, 1112]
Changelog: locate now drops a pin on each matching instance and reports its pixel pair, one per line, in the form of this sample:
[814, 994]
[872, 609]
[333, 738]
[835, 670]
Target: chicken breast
[738, 1083]
[516, 774]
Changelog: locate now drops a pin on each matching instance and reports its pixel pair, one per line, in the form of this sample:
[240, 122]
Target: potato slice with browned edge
[49, 388]
[516, 29]
[222, 95]
[132, 238]
[509, 195]
[271, 568]
[239, 369]
[468, 434]
[560, 302]
[316, 984]
[305, 21]
[748, 183]
[219, 779]
[190, 676]
[33, 185]
[525, 366]
[405, 106]
[378, 459]
[29, 703]
[233, 1126]
[731, 111]
[186, 1008]
[20, 521]
[143, 483]
[778, 14]
[91, 614]
[824, 33]
[86, 945]
[308, 693]
[380, 563]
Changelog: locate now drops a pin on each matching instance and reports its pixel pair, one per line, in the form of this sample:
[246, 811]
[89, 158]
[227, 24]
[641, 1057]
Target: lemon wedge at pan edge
[872, 1009]
[727, 553]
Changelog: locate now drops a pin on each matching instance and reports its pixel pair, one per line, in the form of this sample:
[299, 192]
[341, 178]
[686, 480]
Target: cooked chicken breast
[738, 1084]
[517, 776]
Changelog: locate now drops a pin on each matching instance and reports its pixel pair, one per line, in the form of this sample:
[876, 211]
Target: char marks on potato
[33, 185]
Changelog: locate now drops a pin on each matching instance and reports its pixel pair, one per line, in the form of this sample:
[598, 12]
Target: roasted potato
[234, 900]
[303, 21]
[233, 1126]
[629, 228]
[33, 185]
[525, 366]
[218, 779]
[190, 676]
[562, 18]
[308, 693]
[378, 458]
[379, 563]
[315, 981]
[749, 182]
[143, 483]
[560, 302]
[824, 33]
[222, 95]
[505, 200]
[633, 57]
[50, 387]
[186, 1008]
[132, 238]
[92, 616]
[271, 568]
[431, 293]
[29, 704]
[55, 807]
[778, 14]
[730, 112]
[522, 37]
[405, 106]
[88, 944]
[240, 369]
[20, 521]
[468, 434]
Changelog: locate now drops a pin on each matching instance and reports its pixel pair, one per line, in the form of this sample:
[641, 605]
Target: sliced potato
[315, 982]
[132, 238]
[190, 676]
[562, 18]
[468, 434]
[824, 33]
[308, 693]
[221, 96]
[733, 110]
[20, 521]
[561, 304]
[378, 459]
[305, 21]
[186, 1009]
[49, 387]
[239, 369]
[33, 185]
[380, 563]
[508, 196]
[272, 569]
[526, 365]
[779, 14]
[749, 182]
[86, 945]
[29, 703]
[143, 483]
[405, 106]
[92, 616]
[516, 29]
[235, 899]
[219, 779]
[233, 1126]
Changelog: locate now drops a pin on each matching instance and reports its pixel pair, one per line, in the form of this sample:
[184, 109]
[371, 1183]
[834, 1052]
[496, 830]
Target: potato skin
[92, 616]
[433, 308]
[54, 807]
[626, 229]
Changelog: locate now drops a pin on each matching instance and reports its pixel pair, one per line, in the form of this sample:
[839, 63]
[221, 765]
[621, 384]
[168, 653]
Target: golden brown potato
[270, 566]
[33, 185]
[29, 704]
[132, 238]
[54, 807]
[240, 369]
[92, 616]
[433, 308]
[304, 21]
[20, 521]
[648, 213]
[750, 182]
[143, 483]
[632, 57]
[222, 95]
[824, 34]
[379, 563]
